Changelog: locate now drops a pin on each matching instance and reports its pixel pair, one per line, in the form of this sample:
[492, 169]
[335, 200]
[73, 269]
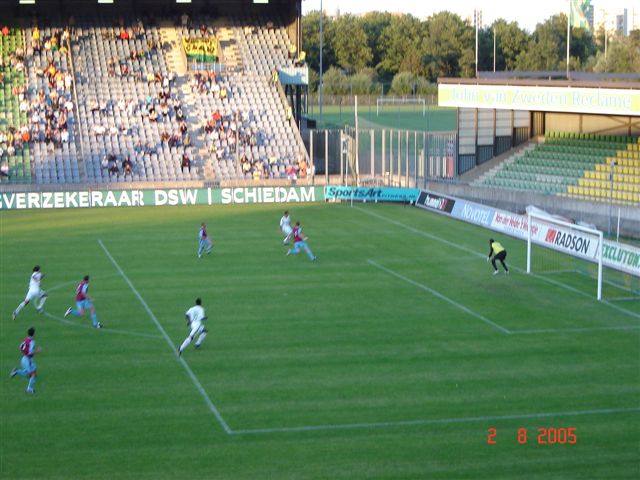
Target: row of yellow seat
[628, 154]
[605, 184]
[576, 191]
[621, 169]
[624, 161]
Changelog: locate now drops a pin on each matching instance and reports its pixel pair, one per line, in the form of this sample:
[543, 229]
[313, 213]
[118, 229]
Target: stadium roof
[156, 7]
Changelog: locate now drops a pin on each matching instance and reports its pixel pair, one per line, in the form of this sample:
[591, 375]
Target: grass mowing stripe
[185, 365]
[441, 297]
[574, 330]
[437, 421]
[105, 330]
[464, 249]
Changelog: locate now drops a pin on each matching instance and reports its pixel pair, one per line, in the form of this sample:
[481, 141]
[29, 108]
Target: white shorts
[287, 230]
[196, 329]
[33, 294]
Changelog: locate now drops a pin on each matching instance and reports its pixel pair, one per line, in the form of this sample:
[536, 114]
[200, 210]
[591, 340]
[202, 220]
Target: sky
[510, 10]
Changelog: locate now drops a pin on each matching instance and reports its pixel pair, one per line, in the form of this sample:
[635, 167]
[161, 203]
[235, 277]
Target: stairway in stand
[176, 60]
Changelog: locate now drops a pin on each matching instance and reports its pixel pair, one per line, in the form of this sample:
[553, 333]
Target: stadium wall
[596, 213]
[486, 133]
[598, 124]
[616, 255]
[157, 197]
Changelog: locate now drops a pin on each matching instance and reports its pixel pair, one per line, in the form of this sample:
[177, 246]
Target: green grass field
[389, 357]
[435, 119]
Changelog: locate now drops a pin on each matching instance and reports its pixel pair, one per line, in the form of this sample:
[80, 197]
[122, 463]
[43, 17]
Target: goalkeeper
[497, 252]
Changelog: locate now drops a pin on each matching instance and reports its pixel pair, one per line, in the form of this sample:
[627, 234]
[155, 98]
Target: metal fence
[403, 158]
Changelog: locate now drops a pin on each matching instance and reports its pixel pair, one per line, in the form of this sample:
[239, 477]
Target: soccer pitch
[392, 356]
[396, 117]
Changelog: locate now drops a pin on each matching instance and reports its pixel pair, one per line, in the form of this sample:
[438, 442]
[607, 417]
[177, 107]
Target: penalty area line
[513, 267]
[441, 297]
[102, 330]
[184, 364]
[435, 421]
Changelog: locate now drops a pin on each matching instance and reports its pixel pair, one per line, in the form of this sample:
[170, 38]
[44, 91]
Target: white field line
[436, 421]
[441, 297]
[184, 364]
[472, 252]
[102, 330]
[573, 330]
[75, 282]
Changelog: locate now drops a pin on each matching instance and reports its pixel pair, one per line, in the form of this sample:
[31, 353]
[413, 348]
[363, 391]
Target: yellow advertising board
[604, 101]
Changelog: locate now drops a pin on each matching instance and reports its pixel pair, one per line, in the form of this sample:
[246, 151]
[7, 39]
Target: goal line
[381, 101]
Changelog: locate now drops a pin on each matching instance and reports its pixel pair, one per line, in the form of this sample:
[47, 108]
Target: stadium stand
[51, 106]
[103, 105]
[576, 166]
[129, 106]
[15, 152]
[242, 108]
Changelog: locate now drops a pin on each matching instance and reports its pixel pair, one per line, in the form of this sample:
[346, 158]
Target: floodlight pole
[475, 15]
[613, 163]
[494, 49]
[320, 85]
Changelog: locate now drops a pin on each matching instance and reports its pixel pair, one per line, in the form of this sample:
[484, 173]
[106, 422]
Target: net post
[528, 242]
[601, 241]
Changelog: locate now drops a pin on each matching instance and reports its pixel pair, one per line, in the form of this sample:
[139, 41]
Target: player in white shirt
[285, 226]
[195, 317]
[35, 293]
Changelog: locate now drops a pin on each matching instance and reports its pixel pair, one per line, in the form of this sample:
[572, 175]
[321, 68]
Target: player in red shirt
[84, 302]
[28, 349]
[300, 242]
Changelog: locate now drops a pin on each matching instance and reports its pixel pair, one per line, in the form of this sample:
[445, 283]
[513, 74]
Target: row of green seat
[590, 137]
[526, 185]
[10, 115]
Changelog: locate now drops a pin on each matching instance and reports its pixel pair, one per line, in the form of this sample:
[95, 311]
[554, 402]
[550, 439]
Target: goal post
[381, 101]
[569, 241]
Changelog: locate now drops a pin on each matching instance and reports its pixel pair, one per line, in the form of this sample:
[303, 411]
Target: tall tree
[547, 47]
[400, 42]
[311, 40]
[349, 42]
[448, 46]
[623, 55]
[373, 24]
[511, 40]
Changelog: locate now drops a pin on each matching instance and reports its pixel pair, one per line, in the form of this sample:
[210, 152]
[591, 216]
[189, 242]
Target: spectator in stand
[113, 169]
[292, 52]
[35, 39]
[126, 167]
[5, 31]
[302, 59]
[186, 162]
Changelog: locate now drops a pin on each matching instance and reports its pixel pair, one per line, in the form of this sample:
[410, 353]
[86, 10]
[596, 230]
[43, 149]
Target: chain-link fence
[383, 157]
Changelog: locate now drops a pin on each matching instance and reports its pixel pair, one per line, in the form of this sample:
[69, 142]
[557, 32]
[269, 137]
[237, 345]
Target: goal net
[401, 103]
[573, 254]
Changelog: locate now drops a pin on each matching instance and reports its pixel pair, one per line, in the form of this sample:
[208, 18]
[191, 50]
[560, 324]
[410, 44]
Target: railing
[77, 117]
[292, 123]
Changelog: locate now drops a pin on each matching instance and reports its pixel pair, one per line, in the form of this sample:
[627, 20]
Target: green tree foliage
[547, 47]
[448, 47]
[510, 41]
[404, 83]
[373, 24]
[623, 55]
[361, 83]
[349, 42]
[311, 41]
[400, 46]
[444, 46]
[335, 82]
